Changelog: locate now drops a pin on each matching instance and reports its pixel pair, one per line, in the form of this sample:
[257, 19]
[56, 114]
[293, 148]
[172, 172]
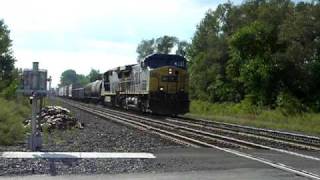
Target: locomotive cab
[168, 84]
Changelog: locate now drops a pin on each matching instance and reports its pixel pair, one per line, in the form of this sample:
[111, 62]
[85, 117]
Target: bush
[248, 106]
[12, 114]
[244, 109]
[289, 105]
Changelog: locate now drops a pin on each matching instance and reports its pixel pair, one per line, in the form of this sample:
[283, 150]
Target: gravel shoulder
[98, 135]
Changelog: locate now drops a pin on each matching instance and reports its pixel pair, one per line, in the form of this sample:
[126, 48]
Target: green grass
[244, 114]
[12, 114]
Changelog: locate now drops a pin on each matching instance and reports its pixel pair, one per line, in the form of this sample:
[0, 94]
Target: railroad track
[312, 141]
[173, 129]
[192, 132]
[224, 133]
[236, 135]
[252, 136]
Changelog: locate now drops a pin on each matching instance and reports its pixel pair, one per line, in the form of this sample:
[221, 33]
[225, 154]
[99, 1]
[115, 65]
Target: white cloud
[120, 47]
[100, 34]
[62, 15]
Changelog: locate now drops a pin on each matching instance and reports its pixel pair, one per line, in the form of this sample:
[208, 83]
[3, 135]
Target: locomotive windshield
[159, 60]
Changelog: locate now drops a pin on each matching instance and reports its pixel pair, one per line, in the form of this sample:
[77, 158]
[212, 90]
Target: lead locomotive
[158, 84]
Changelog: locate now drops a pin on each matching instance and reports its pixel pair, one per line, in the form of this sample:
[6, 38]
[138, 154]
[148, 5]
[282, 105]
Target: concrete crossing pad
[76, 155]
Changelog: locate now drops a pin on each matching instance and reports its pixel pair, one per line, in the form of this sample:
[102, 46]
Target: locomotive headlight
[170, 71]
[161, 89]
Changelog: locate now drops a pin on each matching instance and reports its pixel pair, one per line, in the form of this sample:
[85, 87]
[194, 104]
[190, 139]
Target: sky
[98, 34]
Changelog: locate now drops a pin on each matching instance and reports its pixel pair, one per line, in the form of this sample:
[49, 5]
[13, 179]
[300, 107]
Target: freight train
[158, 84]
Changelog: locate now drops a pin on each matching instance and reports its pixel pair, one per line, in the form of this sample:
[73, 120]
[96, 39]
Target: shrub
[248, 106]
[245, 108]
[10, 91]
[12, 114]
[289, 105]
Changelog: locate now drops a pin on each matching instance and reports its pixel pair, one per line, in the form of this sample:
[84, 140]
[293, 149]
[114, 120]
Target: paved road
[191, 163]
[261, 174]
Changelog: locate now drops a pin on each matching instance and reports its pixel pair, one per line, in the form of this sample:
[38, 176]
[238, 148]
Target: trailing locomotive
[158, 84]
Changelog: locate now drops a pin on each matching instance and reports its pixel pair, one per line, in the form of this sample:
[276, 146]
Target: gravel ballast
[97, 135]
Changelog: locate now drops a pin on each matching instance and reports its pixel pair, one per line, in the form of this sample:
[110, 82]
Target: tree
[68, 77]
[300, 60]
[182, 48]
[145, 48]
[82, 79]
[208, 55]
[165, 44]
[263, 50]
[71, 77]
[12, 110]
[6, 58]
[94, 75]
[251, 62]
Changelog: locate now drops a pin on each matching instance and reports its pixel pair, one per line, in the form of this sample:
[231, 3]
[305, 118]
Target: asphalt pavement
[195, 163]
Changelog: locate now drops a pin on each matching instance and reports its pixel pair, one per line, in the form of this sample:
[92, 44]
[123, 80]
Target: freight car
[92, 91]
[89, 93]
[78, 93]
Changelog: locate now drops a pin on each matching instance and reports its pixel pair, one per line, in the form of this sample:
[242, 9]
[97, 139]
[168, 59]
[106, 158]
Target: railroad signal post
[34, 86]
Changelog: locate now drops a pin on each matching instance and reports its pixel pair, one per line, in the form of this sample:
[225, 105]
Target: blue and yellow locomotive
[158, 84]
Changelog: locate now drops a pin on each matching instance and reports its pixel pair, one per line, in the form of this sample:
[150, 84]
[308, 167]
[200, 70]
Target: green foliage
[246, 106]
[68, 77]
[289, 105]
[163, 45]
[12, 114]
[13, 109]
[208, 55]
[253, 52]
[82, 79]
[145, 48]
[252, 60]
[6, 58]
[182, 48]
[10, 91]
[94, 75]
[241, 113]
[71, 77]
[243, 109]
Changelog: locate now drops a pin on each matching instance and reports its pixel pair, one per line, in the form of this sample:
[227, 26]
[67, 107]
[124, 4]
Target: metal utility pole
[34, 86]
[35, 140]
[50, 90]
[33, 143]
